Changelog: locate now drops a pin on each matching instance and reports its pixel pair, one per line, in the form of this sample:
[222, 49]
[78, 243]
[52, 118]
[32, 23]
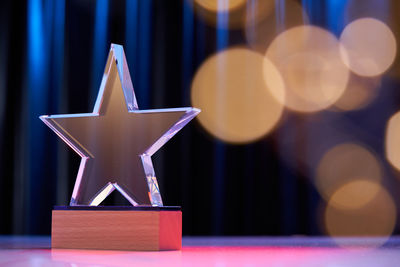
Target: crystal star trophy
[116, 142]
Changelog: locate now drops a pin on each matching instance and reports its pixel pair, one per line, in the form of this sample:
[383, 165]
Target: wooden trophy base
[116, 228]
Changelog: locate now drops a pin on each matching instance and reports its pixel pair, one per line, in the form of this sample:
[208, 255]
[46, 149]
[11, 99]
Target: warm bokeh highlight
[355, 194]
[392, 141]
[343, 164]
[237, 105]
[220, 6]
[375, 217]
[231, 13]
[308, 58]
[360, 92]
[369, 46]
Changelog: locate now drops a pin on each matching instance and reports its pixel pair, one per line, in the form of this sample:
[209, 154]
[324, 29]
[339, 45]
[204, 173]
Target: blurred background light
[263, 25]
[240, 13]
[220, 5]
[343, 164]
[392, 141]
[376, 218]
[209, 10]
[354, 194]
[359, 93]
[236, 103]
[309, 60]
[369, 46]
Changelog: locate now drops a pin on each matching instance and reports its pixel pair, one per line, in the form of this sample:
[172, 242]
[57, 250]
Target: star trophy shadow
[116, 142]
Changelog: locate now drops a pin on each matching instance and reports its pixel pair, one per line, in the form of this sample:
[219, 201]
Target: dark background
[52, 56]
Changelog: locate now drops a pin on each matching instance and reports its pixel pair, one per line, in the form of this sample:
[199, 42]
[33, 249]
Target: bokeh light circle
[308, 57]
[237, 105]
[232, 13]
[376, 218]
[359, 93]
[392, 141]
[368, 47]
[343, 164]
[220, 6]
[355, 194]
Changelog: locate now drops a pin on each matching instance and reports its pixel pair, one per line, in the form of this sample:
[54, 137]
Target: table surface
[213, 251]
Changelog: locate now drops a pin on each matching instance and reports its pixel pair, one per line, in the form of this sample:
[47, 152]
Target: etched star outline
[116, 141]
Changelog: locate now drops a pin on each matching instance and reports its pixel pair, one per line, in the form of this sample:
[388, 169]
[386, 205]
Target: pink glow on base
[205, 256]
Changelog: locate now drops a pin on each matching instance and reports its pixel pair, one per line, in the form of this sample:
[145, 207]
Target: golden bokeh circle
[377, 217]
[343, 164]
[368, 47]
[359, 93]
[354, 194]
[392, 141]
[308, 58]
[237, 105]
[233, 14]
[220, 6]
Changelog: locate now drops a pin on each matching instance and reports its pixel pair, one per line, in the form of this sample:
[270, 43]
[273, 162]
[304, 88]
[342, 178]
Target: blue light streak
[100, 47]
[335, 15]
[37, 97]
[144, 55]
[187, 46]
[138, 47]
[219, 149]
[58, 52]
[131, 31]
[36, 50]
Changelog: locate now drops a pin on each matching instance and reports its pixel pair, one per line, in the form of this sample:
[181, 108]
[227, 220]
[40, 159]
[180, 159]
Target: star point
[116, 141]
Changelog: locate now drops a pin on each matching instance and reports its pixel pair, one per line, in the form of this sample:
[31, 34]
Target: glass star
[117, 140]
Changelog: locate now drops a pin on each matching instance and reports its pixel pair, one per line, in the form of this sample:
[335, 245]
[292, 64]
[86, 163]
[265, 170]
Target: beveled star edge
[117, 54]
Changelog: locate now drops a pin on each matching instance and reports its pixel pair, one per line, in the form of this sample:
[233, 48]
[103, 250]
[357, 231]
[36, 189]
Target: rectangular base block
[117, 228]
